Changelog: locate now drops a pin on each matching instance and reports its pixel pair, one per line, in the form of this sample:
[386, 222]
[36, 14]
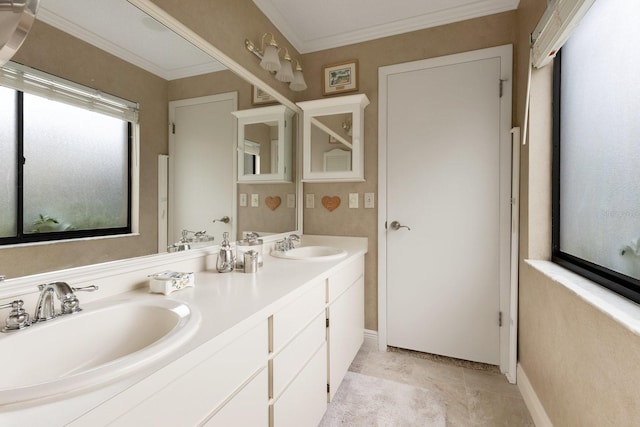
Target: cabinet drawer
[248, 408]
[305, 400]
[203, 389]
[287, 363]
[339, 282]
[295, 316]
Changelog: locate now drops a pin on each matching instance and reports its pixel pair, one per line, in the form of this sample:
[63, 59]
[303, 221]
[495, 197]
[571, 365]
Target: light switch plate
[291, 201]
[369, 200]
[255, 200]
[243, 199]
[353, 200]
[309, 201]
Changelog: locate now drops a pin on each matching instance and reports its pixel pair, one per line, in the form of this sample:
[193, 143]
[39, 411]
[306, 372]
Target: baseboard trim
[538, 414]
[371, 338]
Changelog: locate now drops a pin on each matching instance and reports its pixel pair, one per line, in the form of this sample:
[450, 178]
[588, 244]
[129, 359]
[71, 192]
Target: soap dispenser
[226, 260]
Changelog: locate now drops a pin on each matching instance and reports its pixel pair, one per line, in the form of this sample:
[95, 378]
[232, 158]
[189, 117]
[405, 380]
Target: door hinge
[327, 323]
[328, 388]
[501, 84]
[500, 319]
[173, 128]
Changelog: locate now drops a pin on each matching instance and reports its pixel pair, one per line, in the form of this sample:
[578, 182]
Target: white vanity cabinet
[277, 366]
[345, 312]
[298, 361]
[333, 139]
[265, 144]
[207, 386]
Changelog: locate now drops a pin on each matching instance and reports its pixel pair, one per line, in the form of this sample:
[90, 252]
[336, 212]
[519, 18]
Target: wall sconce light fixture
[285, 73]
[283, 68]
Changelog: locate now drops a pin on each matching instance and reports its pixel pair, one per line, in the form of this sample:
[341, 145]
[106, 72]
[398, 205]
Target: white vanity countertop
[226, 299]
[229, 304]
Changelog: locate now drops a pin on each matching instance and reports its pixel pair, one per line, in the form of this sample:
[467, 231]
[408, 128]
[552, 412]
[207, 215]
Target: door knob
[224, 219]
[395, 225]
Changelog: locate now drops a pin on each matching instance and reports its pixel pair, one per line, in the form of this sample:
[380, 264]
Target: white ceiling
[121, 29]
[312, 25]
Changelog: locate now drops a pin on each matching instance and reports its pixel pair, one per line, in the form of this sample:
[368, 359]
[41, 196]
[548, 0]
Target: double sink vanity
[262, 349]
[268, 348]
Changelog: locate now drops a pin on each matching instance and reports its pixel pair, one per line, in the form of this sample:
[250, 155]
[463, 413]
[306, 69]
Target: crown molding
[419, 22]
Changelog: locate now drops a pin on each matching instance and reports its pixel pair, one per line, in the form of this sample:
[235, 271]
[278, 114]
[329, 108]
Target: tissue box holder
[169, 281]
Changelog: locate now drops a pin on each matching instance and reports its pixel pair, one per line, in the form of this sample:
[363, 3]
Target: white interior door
[202, 165]
[448, 181]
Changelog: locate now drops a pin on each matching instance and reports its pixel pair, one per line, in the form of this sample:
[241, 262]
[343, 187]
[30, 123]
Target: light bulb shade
[285, 74]
[270, 60]
[298, 82]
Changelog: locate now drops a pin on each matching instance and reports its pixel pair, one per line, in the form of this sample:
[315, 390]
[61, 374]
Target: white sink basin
[97, 345]
[312, 253]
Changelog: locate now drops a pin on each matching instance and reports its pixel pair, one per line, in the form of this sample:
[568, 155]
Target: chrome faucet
[287, 243]
[45, 308]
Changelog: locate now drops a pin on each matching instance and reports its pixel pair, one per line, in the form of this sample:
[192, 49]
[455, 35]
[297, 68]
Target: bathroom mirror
[333, 139]
[264, 144]
[48, 48]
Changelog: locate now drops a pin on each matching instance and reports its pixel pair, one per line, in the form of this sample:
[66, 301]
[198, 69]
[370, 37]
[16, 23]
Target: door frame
[506, 306]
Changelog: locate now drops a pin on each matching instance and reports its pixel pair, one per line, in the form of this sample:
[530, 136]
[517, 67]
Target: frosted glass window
[598, 199]
[76, 169]
[8, 201]
[73, 179]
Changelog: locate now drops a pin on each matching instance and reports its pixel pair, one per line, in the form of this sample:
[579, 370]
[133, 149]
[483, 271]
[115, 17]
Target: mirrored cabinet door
[264, 144]
[333, 139]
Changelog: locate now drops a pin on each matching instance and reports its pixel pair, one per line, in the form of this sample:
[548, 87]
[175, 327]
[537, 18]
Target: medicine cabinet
[264, 144]
[333, 139]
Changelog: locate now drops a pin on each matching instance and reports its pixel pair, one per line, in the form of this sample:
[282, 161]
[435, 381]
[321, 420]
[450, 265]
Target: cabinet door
[346, 332]
[242, 410]
[304, 402]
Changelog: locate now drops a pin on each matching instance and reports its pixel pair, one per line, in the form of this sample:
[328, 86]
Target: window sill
[620, 309]
[57, 242]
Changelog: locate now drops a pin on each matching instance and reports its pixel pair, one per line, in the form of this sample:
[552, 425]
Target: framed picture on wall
[259, 97]
[340, 78]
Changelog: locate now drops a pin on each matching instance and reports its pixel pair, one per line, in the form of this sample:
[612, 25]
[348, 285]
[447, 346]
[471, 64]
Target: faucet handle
[18, 318]
[70, 303]
[89, 288]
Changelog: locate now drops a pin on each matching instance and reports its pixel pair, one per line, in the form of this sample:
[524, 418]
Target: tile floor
[474, 394]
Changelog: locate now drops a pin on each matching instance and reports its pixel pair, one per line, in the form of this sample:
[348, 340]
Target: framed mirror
[333, 139]
[264, 144]
[67, 41]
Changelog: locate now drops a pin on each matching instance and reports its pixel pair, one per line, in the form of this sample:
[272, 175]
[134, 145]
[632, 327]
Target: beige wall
[55, 52]
[464, 36]
[582, 364]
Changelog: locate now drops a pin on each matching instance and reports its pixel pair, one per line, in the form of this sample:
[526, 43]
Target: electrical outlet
[353, 200]
[309, 201]
[369, 200]
[291, 201]
[255, 200]
[243, 199]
